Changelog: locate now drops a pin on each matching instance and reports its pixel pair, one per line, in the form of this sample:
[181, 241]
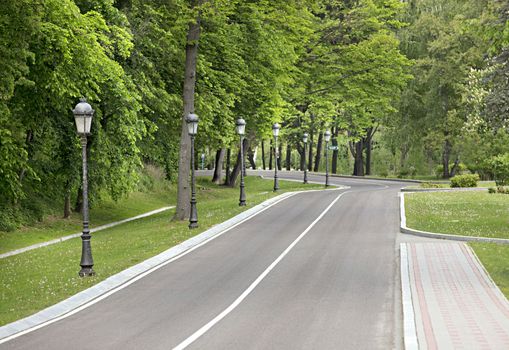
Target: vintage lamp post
[305, 140]
[275, 132]
[326, 136]
[241, 129]
[192, 129]
[83, 114]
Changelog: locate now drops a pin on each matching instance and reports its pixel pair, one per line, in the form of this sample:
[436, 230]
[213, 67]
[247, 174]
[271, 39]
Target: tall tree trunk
[218, 168]
[455, 166]
[183, 195]
[271, 151]
[359, 161]
[335, 152]
[279, 152]
[310, 152]
[250, 156]
[288, 156]
[78, 205]
[368, 156]
[228, 158]
[263, 155]
[445, 159]
[235, 172]
[318, 154]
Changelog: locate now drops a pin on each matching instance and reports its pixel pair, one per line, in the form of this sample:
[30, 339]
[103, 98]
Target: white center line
[253, 285]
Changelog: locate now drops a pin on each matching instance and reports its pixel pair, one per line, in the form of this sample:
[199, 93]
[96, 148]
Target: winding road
[318, 270]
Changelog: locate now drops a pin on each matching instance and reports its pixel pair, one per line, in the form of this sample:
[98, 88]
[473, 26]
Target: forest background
[414, 88]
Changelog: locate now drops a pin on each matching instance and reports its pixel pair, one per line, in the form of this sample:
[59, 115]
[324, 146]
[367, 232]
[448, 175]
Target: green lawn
[471, 214]
[495, 258]
[39, 278]
[479, 214]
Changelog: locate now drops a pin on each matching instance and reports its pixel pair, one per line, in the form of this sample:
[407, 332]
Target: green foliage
[466, 180]
[499, 167]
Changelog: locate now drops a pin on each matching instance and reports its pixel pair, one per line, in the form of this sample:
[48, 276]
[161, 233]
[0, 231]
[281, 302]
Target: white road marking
[253, 285]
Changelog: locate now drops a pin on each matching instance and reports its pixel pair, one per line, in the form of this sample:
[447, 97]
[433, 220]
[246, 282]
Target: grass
[495, 258]
[40, 278]
[447, 184]
[157, 193]
[478, 214]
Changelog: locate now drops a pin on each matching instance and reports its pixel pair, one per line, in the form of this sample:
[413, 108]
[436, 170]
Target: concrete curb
[471, 189]
[409, 330]
[404, 229]
[74, 235]
[124, 278]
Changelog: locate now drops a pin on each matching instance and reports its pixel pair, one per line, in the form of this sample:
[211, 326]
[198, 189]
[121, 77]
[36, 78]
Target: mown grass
[478, 214]
[37, 279]
[495, 258]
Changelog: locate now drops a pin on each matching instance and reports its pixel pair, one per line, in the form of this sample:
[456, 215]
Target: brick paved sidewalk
[454, 303]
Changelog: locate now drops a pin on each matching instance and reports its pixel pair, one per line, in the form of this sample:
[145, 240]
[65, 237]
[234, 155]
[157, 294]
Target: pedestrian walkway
[449, 301]
[75, 235]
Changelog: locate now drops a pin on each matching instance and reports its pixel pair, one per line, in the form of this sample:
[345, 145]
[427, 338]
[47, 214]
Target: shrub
[467, 180]
[492, 190]
[502, 189]
[499, 166]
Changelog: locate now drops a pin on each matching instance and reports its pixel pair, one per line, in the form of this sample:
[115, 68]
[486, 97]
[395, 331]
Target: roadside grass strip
[37, 279]
[467, 216]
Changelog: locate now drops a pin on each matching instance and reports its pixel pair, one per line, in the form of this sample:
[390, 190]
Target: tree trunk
[358, 167]
[271, 151]
[279, 152]
[250, 157]
[218, 168]
[455, 166]
[335, 152]
[183, 195]
[445, 159]
[368, 156]
[235, 172]
[310, 152]
[288, 157]
[228, 157]
[318, 154]
[263, 155]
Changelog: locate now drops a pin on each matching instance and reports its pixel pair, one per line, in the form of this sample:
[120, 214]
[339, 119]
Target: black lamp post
[305, 140]
[83, 114]
[241, 129]
[326, 136]
[192, 129]
[275, 132]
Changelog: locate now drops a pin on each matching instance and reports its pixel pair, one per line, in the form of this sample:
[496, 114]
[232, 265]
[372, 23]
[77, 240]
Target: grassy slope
[37, 279]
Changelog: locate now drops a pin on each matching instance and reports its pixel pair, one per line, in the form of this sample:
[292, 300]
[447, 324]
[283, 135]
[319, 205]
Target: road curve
[318, 270]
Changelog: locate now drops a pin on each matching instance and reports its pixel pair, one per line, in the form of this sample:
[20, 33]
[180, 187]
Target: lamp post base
[193, 225]
[86, 271]
[242, 203]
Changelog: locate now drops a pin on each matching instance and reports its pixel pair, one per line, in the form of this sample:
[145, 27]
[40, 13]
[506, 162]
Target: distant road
[318, 270]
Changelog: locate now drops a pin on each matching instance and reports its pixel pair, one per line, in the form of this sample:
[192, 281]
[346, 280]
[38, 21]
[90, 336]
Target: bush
[503, 190]
[492, 190]
[467, 180]
[499, 166]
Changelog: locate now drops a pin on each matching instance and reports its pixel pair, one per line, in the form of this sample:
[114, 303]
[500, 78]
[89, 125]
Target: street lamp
[192, 129]
[326, 136]
[83, 114]
[241, 129]
[275, 132]
[305, 140]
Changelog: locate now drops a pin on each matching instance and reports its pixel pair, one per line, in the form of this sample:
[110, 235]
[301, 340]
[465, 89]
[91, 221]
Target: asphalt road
[319, 270]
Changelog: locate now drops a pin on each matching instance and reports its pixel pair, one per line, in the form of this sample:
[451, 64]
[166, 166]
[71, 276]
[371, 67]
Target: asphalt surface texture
[318, 270]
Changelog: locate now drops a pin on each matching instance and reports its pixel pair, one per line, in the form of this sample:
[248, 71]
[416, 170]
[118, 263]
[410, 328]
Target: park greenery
[407, 88]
